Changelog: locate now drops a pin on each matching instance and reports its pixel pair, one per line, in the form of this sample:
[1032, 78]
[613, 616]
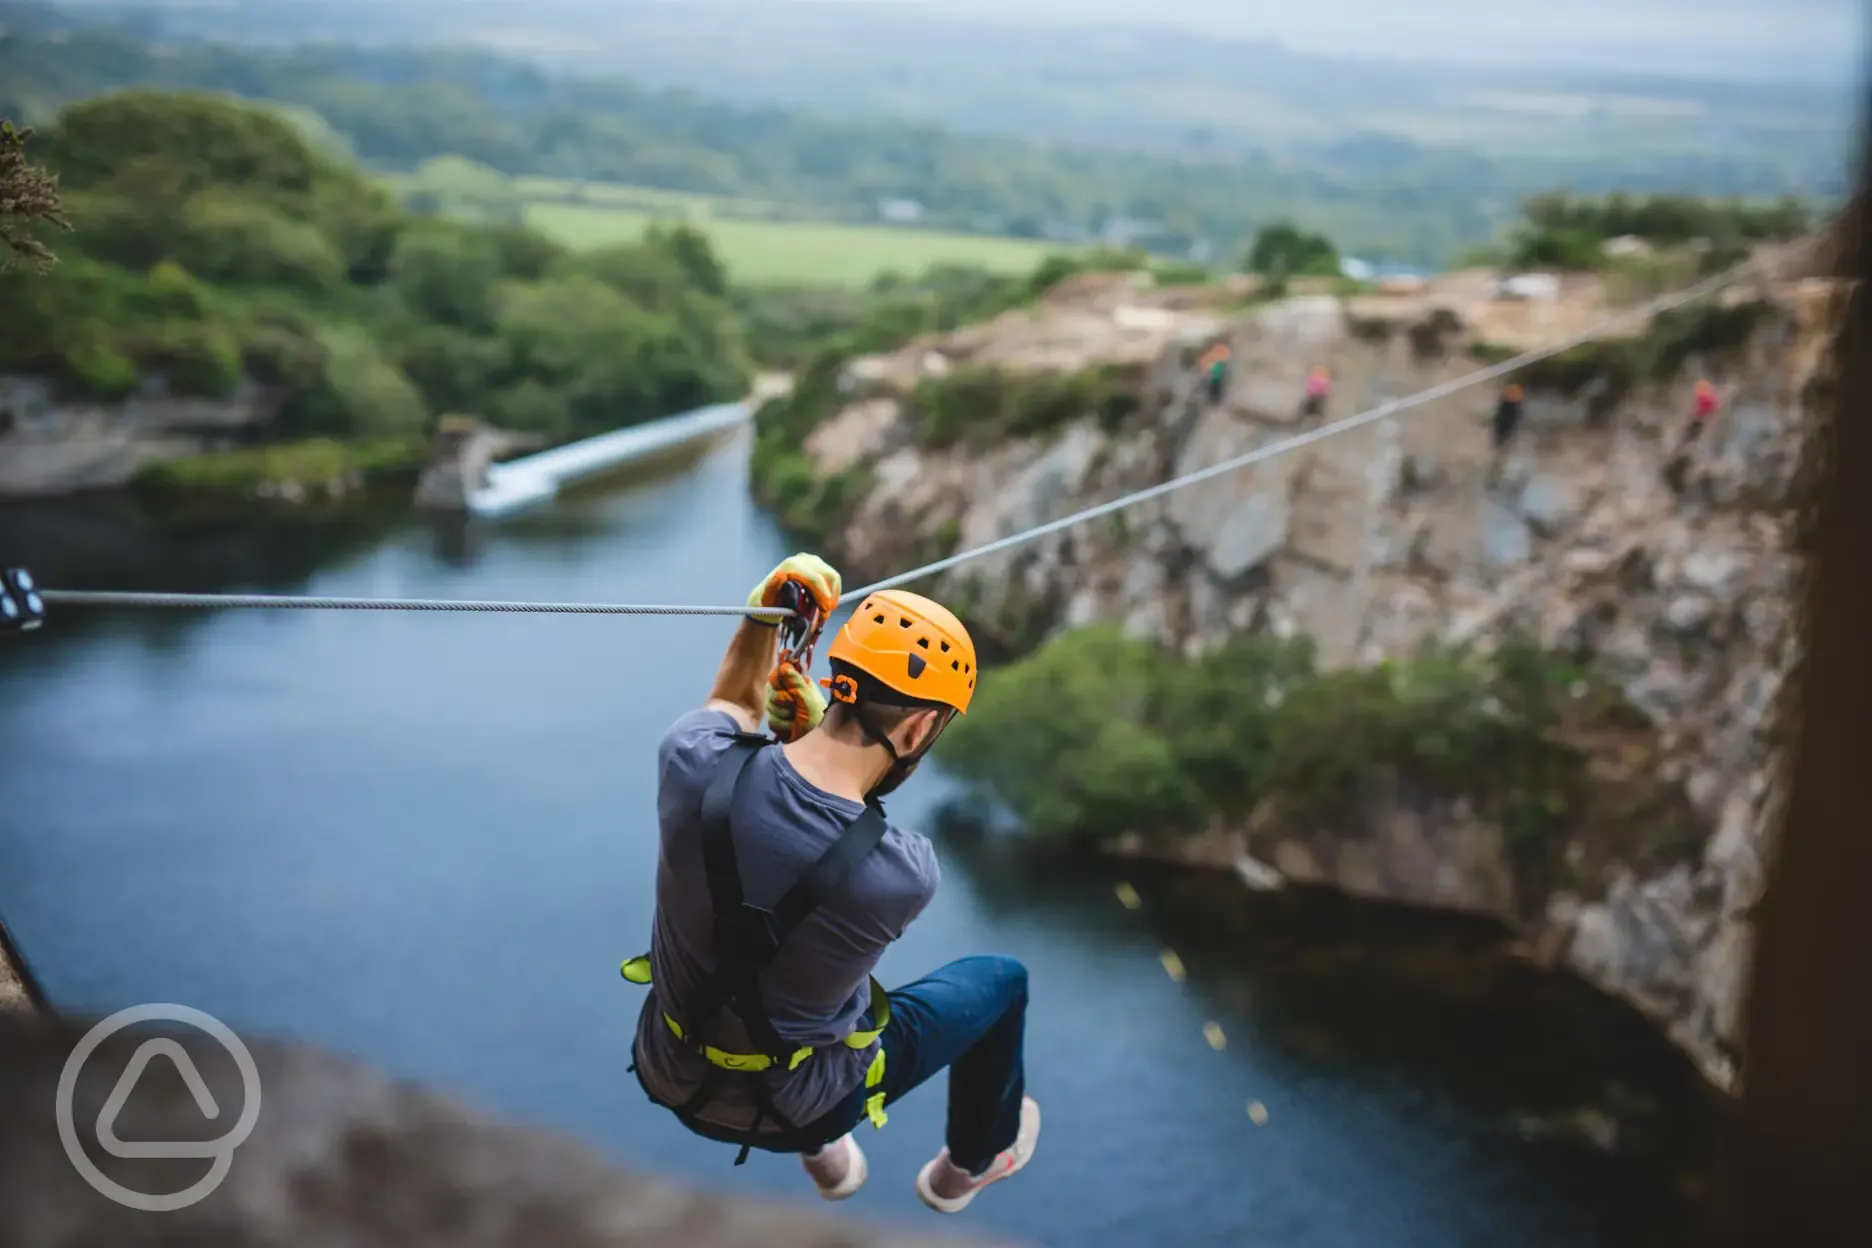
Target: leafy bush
[446, 273]
[97, 369]
[315, 464]
[225, 238]
[1068, 739]
[200, 360]
[982, 405]
[358, 394]
[1095, 735]
[783, 477]
[1570, 232]
[1576, 249]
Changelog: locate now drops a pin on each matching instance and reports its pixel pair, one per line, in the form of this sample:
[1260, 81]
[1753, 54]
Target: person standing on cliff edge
[1215, 365]
[1318, 390]
[779, 885]
[1704, 404]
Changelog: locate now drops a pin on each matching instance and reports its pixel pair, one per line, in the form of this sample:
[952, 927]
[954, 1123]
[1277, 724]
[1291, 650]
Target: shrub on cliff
[1096, 735]
[1565, 231]
[985, 405]
[1071, 740]
[782, 476]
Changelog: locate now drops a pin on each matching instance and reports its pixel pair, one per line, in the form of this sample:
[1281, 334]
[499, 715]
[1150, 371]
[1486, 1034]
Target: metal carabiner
[799, 632]
[21, 607]
[799, 635]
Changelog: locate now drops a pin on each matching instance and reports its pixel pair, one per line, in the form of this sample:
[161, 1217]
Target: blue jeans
[971, 1017]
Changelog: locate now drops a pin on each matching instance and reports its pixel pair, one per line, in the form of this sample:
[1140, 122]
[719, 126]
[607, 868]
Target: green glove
[815, 575]
[794, 704]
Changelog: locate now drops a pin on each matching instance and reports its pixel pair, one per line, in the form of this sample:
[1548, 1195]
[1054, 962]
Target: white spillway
[535, 479]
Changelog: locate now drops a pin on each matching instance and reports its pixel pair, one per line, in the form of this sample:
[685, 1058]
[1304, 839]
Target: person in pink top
[1318, 390]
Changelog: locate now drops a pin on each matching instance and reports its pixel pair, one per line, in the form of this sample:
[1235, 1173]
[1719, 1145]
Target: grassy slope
[780, 251]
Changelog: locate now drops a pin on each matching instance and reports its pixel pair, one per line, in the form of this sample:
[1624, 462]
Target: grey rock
[1549, 502]
[1254, 530]
[341, 1156]
[1688, 613]
[1506, 542]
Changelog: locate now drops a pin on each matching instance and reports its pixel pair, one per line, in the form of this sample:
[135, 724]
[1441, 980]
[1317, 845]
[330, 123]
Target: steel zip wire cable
[1643, 312]
[117, 598]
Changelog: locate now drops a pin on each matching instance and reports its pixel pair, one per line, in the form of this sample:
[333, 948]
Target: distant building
[901, 211]
[1376, 270]
[1538, 287]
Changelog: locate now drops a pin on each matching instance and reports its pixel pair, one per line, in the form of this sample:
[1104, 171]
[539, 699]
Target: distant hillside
[1347, 151]
[1695, 105]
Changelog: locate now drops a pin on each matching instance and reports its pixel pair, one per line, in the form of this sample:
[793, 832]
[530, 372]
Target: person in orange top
[1318, 390]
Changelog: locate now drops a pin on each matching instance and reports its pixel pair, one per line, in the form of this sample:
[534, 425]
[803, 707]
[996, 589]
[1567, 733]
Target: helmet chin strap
[845, 689]
[900, 765]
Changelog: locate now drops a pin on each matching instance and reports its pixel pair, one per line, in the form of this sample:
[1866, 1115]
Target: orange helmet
[1512, 393]
[915, 652]
[1704, 386]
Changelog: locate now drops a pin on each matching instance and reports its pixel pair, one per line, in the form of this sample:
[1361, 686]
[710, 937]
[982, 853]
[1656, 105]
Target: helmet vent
[903, 622]
[945, 647]
[916, 666]
[924, 642]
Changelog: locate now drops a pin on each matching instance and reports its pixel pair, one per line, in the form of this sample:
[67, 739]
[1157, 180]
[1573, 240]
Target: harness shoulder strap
[827, 876]
[718, 856]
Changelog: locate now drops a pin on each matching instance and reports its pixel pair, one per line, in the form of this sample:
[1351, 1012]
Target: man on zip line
[779, 885]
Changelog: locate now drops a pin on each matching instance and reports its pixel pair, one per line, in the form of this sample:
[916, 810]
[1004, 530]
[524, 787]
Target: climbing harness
[1643, 312]
[746, 940]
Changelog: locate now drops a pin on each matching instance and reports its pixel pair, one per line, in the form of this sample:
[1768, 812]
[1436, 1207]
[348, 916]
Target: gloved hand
[794, 704]
[815, 575]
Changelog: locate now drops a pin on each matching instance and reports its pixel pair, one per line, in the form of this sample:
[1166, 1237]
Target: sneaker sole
[1029, 1135]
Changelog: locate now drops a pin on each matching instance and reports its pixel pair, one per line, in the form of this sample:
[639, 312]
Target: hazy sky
[1714, 35]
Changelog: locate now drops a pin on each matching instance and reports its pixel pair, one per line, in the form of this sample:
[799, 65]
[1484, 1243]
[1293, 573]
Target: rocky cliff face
[1597, 531]
[49, 445]
[342, 1156]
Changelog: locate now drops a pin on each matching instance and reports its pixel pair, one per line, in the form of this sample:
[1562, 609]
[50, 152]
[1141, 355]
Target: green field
[797, 251]
[759, 242]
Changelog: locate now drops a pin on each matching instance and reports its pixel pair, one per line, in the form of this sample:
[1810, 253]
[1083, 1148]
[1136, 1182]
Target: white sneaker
[856, 1170]
[1009, 1162]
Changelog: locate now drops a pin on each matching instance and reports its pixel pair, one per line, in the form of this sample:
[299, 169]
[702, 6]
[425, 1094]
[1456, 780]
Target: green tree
[358, 394]
[446, 273]
[696, 255]
[1066, 737]
[224, 237]
[1283, 250]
